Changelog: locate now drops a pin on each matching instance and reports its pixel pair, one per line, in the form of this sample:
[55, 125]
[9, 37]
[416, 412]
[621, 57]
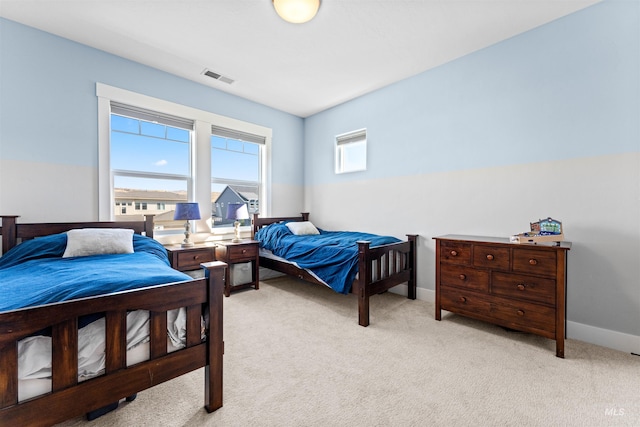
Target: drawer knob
[533, 261]
[462, 299]
[462, 277]
[196, 256]
[244, 251]
[521, 286]
[490, 257]
[520, 313]
[453, 253]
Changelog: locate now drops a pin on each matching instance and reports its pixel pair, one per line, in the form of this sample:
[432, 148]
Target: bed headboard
[12, 231]
[257, 223]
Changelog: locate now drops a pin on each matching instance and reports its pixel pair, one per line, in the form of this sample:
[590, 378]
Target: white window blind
[352, 137]
[151, 116]
[236, 134]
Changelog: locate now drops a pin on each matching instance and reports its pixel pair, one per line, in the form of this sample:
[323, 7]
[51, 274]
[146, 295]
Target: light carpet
[296, 356]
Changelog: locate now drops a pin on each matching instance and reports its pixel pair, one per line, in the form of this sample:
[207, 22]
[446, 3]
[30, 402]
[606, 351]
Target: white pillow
[98, 241]
[302, 228]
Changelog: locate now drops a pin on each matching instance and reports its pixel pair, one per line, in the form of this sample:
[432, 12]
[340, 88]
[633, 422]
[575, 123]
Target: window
[154, 153]
[236, 163]
[150, 158]
[351, 151]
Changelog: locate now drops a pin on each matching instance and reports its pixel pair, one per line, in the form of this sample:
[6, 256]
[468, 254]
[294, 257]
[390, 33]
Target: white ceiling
[352, 46]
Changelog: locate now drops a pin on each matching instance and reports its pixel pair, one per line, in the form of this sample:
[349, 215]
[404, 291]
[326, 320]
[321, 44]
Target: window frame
[345, 140]
[199, 186]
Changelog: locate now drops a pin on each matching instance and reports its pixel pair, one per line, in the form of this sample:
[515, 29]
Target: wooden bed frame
[68, 397]
[379, 268]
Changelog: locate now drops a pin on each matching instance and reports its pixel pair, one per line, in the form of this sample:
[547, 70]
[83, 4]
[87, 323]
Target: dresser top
[502, 240]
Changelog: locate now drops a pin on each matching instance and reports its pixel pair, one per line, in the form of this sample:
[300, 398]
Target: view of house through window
[235, 173]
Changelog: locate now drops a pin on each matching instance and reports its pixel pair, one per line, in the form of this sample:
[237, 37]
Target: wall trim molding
[604, 337]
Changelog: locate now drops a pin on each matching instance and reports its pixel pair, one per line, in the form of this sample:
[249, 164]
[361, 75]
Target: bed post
[214, 273]
[254, 225]
[9, 237]
[413, 259]
[148, 225]
[364, 277]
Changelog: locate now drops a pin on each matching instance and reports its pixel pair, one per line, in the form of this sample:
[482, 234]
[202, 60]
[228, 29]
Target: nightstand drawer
[242, 260]
[191, 259]
[241, 252]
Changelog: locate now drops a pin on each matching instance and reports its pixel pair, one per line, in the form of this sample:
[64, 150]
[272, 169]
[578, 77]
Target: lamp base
[236, 232]
[187, 244]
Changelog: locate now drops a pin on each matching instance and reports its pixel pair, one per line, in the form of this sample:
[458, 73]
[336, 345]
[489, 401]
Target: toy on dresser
[545, 230]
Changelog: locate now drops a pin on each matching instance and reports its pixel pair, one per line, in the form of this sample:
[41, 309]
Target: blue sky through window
[141, 146]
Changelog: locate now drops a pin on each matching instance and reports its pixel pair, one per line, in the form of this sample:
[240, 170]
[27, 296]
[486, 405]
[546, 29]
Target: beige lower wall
[40, 192]
[597, 199]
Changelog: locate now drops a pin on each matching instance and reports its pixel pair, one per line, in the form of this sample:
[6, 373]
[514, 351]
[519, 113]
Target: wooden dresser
[518, 286]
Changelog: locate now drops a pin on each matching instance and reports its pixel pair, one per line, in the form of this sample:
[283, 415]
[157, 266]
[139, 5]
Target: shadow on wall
[602, 284]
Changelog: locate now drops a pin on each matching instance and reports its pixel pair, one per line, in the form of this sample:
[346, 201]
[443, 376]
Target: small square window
[351, 151]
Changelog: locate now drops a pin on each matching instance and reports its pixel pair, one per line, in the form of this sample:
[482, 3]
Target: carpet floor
[296, 356]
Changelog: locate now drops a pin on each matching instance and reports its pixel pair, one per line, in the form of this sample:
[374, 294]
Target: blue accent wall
[48, 104]
[565, 90]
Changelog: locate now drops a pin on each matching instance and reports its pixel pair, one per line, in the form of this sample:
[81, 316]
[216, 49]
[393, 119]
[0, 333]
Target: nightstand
[188, 259]
[242, 261]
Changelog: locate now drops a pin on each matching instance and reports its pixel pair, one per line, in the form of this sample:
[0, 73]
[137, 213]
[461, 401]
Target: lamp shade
[187, 211]
[237, 211]
[296, 11]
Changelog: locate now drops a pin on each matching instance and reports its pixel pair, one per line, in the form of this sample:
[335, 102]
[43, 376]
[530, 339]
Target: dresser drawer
[491, 257]
[241, 252]
[532, 288]
[191, 259]
[535, 262]
[459, 301]
[454, 252]
[528, 317]
[464, 277]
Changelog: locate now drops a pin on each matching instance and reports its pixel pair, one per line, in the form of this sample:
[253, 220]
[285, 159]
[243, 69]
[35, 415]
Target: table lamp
[187, 212]
[237, 211]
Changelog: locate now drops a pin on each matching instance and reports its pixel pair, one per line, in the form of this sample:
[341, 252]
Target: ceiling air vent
[217, 76]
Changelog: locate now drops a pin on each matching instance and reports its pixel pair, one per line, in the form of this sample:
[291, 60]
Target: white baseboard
[577, 331]
[604, 337]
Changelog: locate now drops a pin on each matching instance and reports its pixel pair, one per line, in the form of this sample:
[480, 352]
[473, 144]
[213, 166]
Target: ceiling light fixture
[296, 11]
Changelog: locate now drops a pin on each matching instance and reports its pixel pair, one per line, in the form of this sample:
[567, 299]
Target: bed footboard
[70, 398]
[381, 268]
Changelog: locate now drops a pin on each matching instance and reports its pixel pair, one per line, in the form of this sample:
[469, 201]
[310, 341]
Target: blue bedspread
[34, 272]
[330, 255]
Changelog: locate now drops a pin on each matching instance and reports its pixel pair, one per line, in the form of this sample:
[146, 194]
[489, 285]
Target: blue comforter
[34, 272]
[330, 255]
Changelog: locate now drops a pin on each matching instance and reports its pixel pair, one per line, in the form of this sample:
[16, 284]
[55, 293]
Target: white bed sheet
[34, 353]
[268, 254]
